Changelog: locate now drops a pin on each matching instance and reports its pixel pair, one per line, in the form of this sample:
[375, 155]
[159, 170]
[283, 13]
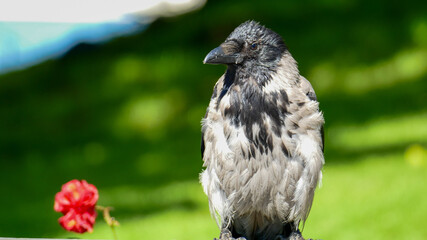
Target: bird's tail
[259, 228]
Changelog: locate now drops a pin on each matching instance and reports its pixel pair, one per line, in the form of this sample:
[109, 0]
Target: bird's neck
[230, 76]
[261, 76]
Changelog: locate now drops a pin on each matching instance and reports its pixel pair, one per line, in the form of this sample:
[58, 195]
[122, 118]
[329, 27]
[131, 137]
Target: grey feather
[262, 143]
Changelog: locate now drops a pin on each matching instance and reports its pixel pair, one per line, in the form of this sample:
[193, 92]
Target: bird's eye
[254, 46]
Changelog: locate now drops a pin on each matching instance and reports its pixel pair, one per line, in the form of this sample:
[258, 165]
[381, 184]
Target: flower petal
[77, 201]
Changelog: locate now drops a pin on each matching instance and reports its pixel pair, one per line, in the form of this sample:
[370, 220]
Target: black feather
[202, 146]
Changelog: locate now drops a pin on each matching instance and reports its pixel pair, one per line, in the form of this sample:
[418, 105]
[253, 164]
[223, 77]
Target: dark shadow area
[339, 156]
[128, 112]
[399, 99]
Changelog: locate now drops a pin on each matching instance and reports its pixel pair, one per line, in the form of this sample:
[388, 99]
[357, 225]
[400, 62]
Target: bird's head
[250, 45]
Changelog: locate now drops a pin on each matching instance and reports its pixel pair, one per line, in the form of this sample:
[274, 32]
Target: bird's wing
[309, 91]
[217, 88]
[202, 144]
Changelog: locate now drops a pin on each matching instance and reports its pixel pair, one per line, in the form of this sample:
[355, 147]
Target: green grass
[376, 197]
[188, 219]
[125, 116]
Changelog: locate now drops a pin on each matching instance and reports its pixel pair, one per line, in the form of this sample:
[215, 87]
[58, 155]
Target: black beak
[217, 56]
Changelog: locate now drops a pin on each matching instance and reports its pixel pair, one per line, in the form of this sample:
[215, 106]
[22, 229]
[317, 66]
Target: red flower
[78, 222]
[77, 201]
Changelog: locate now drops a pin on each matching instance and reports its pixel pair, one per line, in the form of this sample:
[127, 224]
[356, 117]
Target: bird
[262, 138]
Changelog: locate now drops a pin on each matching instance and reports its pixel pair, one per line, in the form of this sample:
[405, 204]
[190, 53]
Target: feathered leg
[294, 236]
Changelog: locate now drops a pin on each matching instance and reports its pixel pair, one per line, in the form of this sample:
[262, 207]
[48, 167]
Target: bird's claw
[226, 235]
[294, 236]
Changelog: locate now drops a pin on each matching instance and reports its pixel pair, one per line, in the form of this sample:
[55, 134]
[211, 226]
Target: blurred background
[114, 94]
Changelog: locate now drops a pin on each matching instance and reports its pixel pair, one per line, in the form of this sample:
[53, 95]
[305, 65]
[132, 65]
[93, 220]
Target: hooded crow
[262, 138]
